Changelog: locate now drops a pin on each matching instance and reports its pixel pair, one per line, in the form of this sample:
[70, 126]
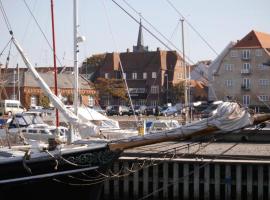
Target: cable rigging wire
[192, 27]
[120, 62]
[42, 32]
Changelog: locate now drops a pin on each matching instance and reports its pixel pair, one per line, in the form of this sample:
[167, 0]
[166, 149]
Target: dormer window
[154, 74]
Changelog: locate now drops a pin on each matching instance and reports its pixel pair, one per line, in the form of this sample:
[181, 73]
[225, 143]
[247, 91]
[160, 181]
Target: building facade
[241, 73]
[24, 87]
[150, 75]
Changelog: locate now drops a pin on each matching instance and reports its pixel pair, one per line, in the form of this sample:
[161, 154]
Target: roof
[64, 80]
[254, 39]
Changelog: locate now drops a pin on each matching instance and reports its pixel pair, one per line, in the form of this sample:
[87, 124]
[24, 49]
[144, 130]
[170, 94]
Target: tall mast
[54, 63]
[185, 72]
[18, 77]
[76, 75]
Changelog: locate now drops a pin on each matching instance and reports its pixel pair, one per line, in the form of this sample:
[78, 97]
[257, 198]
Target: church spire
[140, 47]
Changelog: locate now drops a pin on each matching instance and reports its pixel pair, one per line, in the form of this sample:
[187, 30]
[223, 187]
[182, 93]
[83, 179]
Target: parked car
[10, 107]
[98, 109]
[138, 110]
[170, 111]
[153, 110]
[117, 110]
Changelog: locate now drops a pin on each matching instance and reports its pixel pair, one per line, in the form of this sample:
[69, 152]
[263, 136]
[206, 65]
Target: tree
[113, 87]
[177, 92]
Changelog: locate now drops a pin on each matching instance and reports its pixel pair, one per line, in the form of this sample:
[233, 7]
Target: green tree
[177, 92]
[113, 87]
[44, 101]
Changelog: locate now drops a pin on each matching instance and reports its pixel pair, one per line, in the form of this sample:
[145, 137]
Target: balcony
[245, 87]
[245, 71]
[246, 58]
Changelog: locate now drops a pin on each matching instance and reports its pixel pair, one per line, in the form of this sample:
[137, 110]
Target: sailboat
[77, 169]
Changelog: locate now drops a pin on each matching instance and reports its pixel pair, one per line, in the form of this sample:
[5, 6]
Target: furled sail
[68, 114]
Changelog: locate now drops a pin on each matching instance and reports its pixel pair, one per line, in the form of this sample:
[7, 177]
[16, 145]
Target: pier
[234, 167]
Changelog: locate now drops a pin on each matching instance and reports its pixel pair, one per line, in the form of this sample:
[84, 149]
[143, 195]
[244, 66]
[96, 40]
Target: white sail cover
[68, 114]
[229, 116]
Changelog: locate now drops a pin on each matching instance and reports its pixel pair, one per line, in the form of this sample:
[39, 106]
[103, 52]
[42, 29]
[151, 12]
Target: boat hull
[78, 174]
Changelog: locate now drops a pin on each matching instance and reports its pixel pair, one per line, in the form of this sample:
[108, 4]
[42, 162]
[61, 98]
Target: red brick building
[149, 74]
[25, 88]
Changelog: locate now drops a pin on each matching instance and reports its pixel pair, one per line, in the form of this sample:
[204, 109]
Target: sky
[108, 29]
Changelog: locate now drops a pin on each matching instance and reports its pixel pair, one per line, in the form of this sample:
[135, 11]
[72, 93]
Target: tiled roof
[64, 80]
[254, 39]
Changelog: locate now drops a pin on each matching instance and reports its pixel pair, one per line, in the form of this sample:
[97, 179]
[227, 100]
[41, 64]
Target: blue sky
[219, 22]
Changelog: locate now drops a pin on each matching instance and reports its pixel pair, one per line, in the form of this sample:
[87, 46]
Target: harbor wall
[188, 179]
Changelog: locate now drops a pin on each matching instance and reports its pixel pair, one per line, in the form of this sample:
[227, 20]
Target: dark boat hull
[75, 175]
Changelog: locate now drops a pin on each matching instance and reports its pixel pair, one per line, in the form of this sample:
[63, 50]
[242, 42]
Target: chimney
[158, 49]
[128, 50]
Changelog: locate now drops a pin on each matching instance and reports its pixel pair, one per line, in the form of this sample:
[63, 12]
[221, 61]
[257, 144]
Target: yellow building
[241, 72]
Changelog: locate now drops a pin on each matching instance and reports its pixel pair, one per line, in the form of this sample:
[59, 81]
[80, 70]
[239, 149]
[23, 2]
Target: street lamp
[166, 75]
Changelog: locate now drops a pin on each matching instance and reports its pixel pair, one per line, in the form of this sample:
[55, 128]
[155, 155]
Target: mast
[18, 85]
[76, 50]
[185, 72]
[54, 64]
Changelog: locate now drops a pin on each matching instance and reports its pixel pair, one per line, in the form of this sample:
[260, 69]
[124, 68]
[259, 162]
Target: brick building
[25, 88]
[150, 75]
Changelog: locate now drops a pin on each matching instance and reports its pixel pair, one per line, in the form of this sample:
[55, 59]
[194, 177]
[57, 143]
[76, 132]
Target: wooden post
[249, 182]
[107, 189]
[260, 182]
[268, 182]
[186, 181]
[176, 181]
[217, 181]
[155, 181]
[136, 185]
[206, 182]
[116, 181]
[145, 181]
[228, 182]
[165, 180]
[239, 181]
[196, 184]
[126, 181]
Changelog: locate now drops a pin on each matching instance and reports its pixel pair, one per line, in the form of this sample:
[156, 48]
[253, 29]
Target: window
[134, 75]
[264, 83]
[106, 75]
[246, 100]
[245, 68]
[154, 103]
[246, 54]
[263, 67]
[144, 75]
[202, 73]
[154, 89]
[246, 83]
[91, 101]
[228, 67]
[154, 74]
[234, 53]
[136, 90]
[33, 101]
[258, 52]
[229, 83]
[264, 98]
